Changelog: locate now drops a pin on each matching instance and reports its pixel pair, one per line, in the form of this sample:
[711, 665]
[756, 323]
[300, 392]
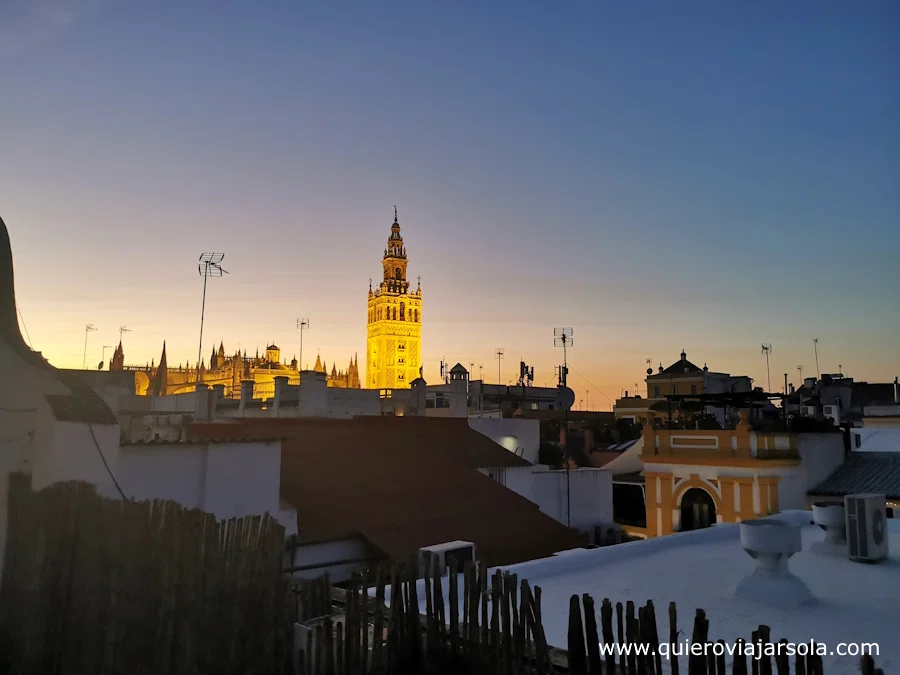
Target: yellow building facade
[394, 327]
[696, 478]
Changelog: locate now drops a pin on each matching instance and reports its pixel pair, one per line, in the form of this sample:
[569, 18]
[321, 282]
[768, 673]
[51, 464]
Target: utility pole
[88, 329]
[302, 324]
[767, 349]
[499, 355]
[816, 350]
[210, 266]
[562, 337]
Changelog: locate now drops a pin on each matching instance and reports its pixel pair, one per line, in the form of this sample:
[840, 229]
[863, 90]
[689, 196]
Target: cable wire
[27, 336]
[105, 463]
[594, 386]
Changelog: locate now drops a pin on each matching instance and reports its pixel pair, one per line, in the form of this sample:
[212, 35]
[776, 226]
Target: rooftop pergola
[753, 400]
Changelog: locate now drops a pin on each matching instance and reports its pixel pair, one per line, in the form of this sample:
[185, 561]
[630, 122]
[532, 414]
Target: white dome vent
[771, 543]
[832, 518]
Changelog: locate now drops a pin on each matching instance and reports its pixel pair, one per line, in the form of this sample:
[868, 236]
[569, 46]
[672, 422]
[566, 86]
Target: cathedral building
[228, 370]
[394, 334]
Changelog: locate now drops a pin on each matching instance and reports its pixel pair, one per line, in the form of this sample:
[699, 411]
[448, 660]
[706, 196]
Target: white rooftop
[855, 602]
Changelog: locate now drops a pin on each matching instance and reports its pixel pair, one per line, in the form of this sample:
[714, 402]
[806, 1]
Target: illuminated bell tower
[394, 342]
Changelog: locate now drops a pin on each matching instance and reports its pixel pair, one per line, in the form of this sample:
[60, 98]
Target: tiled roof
[404, 483]
[680, 367]
[873, 472]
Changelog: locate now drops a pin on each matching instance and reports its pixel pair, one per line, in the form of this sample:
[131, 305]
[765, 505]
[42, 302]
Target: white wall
[589, 493]
[71, 451]
[512, 433]
[339, 557]
[228, 480]
[872, 438]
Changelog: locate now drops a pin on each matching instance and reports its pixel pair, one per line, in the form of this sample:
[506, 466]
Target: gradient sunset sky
[659, 176]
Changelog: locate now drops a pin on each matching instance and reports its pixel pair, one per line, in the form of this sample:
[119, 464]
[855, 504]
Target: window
[395, 313]
[397, 274]
[656, 392]
[693, 390]
[415, 315]
[401, 360]
[403, 311]
[401, 346]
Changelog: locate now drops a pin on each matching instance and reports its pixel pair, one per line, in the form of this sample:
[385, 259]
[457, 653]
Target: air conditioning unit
[460, 551]
[809, 410]
[833, 413]
[867, 538]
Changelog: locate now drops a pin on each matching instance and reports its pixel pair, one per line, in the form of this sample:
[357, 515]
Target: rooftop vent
[831, 517]
[771, 543]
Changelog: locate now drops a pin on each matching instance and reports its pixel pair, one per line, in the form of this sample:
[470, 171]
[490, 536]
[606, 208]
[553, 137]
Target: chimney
[246, 394]
[203, 401]
[280, 385]
[218, 395]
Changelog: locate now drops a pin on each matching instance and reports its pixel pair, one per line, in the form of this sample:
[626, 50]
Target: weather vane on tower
[395, 213]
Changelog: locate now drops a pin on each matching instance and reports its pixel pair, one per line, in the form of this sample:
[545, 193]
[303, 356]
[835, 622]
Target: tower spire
[395, 213]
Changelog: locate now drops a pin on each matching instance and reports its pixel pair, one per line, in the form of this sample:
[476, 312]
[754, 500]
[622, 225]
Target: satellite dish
[565, 398]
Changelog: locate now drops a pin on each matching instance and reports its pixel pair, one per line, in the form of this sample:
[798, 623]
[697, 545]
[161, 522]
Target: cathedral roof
[272, 366]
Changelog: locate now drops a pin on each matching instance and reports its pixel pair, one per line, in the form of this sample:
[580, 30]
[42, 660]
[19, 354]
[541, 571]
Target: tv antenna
[562, 337]
[88, 329]
[210, 266]
[302, 324]
[800, 369]
[499, 354]
[122, 331]
[767, 349]
[816, 350]
[103, 360]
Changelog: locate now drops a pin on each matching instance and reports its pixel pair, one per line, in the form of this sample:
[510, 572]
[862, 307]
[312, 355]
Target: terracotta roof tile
[404, 483]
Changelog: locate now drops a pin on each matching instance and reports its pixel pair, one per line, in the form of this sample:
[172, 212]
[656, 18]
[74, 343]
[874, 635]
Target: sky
[657, 176]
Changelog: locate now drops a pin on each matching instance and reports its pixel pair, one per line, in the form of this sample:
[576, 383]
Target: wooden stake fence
[108, 587]
[101, 586]
[498, 630]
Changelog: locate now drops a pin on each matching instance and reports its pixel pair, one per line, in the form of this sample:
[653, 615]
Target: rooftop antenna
[800, 369]
[841, 369]
[122, 331]
[103, 360]
[210, 266]
[88, 329]
[767, 349]
[499, 354]
[562, 337]
[481, 373]
[302, 324]
[816, 350]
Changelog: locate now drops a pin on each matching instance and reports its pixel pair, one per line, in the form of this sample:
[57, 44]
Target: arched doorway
[698, 510]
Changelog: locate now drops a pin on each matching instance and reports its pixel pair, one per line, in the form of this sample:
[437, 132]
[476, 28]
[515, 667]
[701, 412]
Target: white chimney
[831, 517]
[280, 386]
[246, 394]
[771, 543]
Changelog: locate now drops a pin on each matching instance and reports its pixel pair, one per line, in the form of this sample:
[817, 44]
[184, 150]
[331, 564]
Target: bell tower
[394, 333]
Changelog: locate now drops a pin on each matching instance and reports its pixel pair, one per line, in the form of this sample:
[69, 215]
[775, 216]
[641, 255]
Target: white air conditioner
[833, 413]
[867, 538]
[460, 551]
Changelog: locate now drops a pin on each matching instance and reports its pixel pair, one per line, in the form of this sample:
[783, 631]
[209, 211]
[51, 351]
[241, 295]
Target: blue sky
[660, 176]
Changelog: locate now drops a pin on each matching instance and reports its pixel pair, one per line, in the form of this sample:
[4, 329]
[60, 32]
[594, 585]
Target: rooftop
[700, 570]
[403, 483]
[872, 472]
